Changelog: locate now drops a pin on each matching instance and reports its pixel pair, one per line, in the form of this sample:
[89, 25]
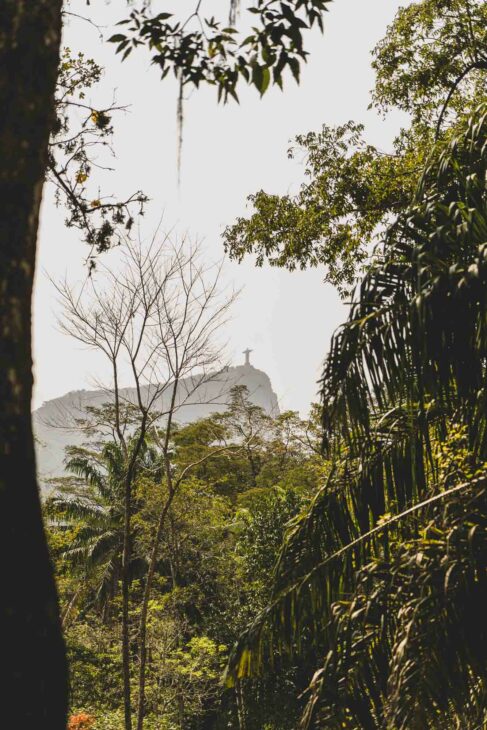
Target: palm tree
[387, 569]
[91, 500]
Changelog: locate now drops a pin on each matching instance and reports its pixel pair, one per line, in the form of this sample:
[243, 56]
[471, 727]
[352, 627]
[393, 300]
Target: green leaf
[261, 78]
[295, 68]
[266, 78]
[117, 38]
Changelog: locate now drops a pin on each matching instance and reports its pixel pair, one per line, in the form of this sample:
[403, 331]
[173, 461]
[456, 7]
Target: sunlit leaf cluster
[80, 153]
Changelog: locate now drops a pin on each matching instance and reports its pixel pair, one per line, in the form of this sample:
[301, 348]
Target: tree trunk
[240, 705]
[145, 606]
[153, 559]
[126, 559]
[33, 674]
[181, 710]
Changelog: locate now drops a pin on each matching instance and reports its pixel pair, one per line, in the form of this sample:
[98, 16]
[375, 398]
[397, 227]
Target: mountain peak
[55, 421]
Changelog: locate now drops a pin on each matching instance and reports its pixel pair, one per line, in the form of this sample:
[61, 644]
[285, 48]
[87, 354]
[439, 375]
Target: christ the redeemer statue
[247, 355]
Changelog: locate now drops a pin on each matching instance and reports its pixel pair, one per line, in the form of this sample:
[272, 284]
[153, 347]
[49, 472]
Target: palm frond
[385, 573]
[75, 510]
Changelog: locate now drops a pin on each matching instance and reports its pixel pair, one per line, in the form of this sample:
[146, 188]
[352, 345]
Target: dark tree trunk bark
[126, 555]
[33, 675]
[126, 559]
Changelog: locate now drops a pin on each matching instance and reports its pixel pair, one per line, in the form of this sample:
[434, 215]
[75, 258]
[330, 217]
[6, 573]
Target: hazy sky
[228, 152]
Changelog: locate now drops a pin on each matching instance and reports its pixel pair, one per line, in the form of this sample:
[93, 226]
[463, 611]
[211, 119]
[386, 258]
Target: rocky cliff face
[55, 421]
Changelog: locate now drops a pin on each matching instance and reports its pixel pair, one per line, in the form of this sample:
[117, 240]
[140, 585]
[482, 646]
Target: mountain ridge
[54, 422]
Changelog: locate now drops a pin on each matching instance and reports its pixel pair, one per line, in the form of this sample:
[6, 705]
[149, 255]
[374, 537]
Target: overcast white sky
[229, 152]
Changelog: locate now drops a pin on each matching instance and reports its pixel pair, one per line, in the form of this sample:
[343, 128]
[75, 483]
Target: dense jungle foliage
[223, 534]
[331, 572]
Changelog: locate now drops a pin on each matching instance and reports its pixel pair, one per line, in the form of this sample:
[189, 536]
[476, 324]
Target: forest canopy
[431, 64]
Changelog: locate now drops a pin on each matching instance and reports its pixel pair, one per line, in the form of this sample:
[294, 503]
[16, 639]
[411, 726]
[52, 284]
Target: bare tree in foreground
[155, 320]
